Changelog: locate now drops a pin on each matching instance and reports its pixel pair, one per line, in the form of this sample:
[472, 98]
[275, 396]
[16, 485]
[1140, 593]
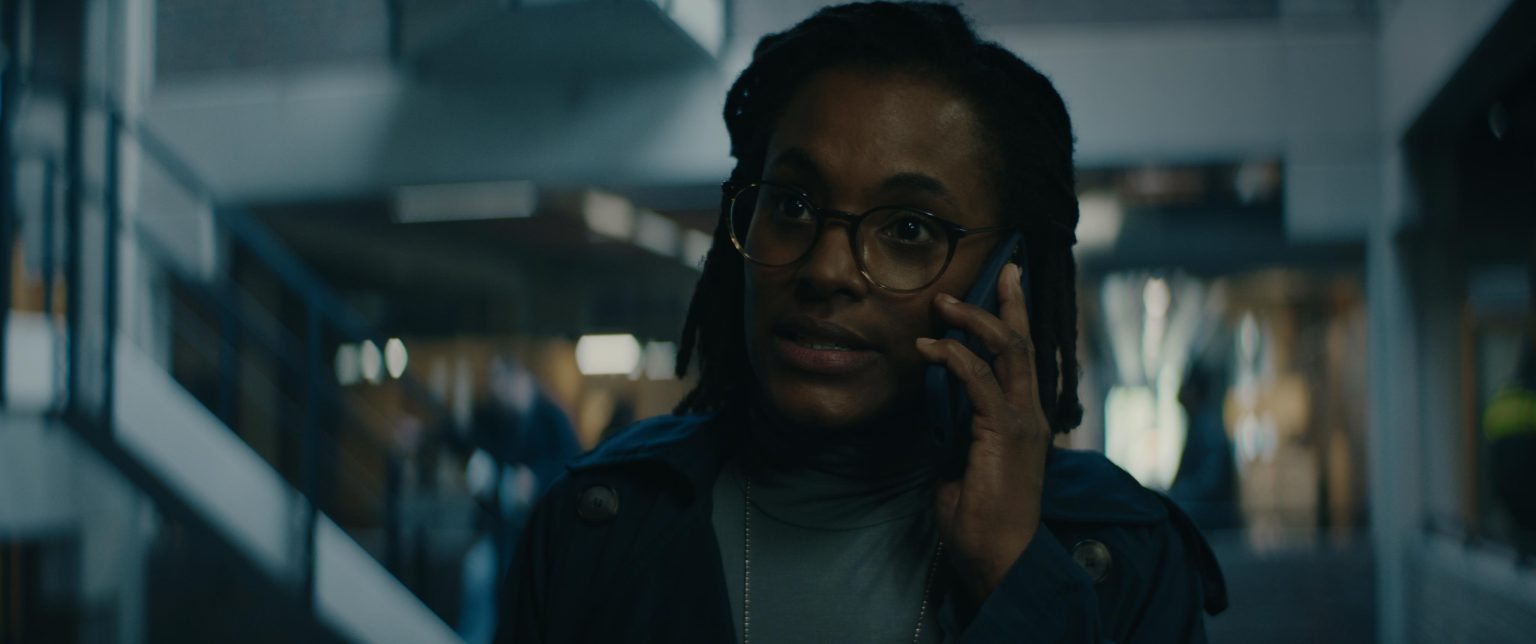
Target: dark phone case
[949, 407]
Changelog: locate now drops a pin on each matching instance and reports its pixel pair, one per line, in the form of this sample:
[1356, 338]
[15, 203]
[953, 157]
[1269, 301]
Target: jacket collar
[692, 447]
[1080, 487]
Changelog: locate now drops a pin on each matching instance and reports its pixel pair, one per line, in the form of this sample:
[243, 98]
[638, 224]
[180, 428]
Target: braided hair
[1031, 137]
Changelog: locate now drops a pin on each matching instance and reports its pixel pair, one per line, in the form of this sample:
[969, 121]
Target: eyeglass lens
[898, 248]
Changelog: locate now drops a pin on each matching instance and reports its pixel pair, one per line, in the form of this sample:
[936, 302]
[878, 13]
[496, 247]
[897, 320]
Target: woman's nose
[830, 268]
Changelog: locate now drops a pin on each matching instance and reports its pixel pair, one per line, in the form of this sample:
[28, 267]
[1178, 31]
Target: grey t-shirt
[836, 556]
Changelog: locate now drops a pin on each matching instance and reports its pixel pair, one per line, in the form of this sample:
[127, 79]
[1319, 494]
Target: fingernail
[923, 342]
[947, 298]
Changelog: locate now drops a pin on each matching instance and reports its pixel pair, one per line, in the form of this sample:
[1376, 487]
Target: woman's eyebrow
[798, 159]
[919, 182]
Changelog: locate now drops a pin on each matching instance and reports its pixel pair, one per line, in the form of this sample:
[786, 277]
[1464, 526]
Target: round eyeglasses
[897, 248]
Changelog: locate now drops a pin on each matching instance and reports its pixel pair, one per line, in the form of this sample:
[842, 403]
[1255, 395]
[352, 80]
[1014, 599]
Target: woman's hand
[989, 516]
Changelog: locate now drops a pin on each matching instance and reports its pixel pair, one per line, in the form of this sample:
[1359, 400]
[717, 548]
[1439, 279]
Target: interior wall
[1423, 582]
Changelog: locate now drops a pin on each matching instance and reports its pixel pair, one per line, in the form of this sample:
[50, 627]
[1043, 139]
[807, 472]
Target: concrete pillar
[1393, 426]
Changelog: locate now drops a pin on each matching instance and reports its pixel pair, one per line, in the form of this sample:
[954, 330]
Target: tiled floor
[1303, 592]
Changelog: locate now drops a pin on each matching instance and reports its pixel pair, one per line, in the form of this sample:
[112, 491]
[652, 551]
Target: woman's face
[829, 348]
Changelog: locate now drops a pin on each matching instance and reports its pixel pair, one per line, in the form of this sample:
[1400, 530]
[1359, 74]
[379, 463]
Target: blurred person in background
[526, 440]
[795, 496]
[1206, 485]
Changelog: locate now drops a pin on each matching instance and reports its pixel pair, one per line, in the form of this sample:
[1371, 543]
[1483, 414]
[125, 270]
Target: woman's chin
[826, 408]
[830, 408]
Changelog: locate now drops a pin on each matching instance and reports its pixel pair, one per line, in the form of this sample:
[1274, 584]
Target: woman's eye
[909, 230]
[794, 208]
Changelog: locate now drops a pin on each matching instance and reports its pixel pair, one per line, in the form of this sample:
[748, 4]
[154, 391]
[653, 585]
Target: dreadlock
[1031, 136]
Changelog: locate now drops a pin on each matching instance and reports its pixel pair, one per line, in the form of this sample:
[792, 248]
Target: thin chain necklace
[746, 573]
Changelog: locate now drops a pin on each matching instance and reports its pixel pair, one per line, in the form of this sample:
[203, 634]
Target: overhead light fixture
[1100, 218]
[656, 233]
[695, 248]
[395, 357]
[607, 354]
[466, 201]
[608, 215]
[371, 362]
[1163, 185]
[347, 370]
[660, 360]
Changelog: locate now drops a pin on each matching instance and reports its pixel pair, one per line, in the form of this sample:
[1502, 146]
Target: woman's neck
[874, 450]
[834, 480]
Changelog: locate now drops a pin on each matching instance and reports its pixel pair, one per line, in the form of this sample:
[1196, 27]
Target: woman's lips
[822, 358]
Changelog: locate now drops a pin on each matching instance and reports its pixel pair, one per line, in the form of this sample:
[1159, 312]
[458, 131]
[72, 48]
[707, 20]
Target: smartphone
[949, 406]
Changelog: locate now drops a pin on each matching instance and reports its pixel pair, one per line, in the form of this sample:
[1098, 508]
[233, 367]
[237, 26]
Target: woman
[882, 152]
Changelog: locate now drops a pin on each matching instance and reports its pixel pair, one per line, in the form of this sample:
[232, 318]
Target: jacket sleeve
[1047, 597]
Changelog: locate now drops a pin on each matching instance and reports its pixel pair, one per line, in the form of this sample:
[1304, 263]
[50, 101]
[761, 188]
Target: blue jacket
[622, 549]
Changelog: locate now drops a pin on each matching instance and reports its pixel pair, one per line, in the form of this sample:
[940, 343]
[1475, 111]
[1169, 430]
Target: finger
[980, 383]
[1014, 362]
[1014, 311]
[1012, 307]
[979, 322]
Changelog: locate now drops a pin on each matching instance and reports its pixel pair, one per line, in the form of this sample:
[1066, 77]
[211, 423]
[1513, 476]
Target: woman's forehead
[869, 130]
[891, 111]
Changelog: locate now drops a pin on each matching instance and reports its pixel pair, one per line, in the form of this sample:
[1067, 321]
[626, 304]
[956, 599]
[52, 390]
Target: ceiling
[323, 109]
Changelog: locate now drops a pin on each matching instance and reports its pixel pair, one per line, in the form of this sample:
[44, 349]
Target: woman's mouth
[821, 348]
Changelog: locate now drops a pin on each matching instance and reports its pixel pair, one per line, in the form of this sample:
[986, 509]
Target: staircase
[178, 459]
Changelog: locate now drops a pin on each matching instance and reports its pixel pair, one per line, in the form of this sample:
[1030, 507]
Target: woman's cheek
[905, 359]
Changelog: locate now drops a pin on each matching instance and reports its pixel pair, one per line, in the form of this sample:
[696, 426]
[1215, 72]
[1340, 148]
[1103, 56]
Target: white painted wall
[1143, 93]
[1302, 94]
[1422, 42]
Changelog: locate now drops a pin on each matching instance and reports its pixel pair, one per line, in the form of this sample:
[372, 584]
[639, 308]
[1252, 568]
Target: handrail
[261, 242]
[325, 310]
[299, 352]
[323, 304]
[275, 255]
[283, 262]
[90, 355]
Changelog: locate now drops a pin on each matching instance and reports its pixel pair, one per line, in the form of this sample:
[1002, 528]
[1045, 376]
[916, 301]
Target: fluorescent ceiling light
[1100, 218]
[347, 370]
[395, 357]
[695, 247]
[660, 360]
[466, 201]
[371, 362]
[656, 233]
[607, 354]
[608, 215]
